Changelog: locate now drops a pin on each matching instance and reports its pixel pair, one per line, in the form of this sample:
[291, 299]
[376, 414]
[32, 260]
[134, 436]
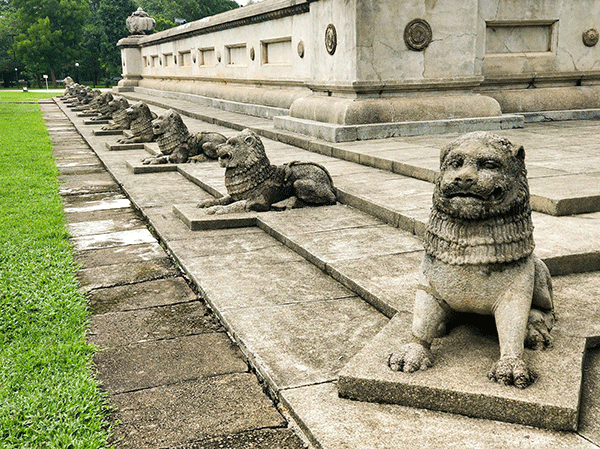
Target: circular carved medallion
[417, 35]
[590, 37]
[330, 39]
[301, 49]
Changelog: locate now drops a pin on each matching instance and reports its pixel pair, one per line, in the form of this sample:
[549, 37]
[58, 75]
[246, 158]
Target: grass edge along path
[48, 396]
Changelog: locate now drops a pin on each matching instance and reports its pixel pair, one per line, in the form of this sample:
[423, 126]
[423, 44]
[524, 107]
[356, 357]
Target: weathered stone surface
[340, 423]
[388, 282]
[577, 308]
[309, 219]
[120, 254]
[191, 411]
[118, 214]
[111, 239]
[125, 273]
[242, 285]
[197, 220]
[163, 362]
[307, 342]
[458, 381]
[138, 168]
[589, 422]
[263, 439]
[326, 247]
[140, 296]
[95, 202]
[158, 323]
[87, 184]
[88, 228]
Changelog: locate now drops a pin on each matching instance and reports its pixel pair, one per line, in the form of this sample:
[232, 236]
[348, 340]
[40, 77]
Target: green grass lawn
[17, 96]
[48, 397]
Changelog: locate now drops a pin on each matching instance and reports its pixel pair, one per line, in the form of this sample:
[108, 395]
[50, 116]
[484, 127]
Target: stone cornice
[247, 15]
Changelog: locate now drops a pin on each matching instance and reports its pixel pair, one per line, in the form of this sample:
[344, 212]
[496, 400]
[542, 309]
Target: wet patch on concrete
[163, 362]
[140, 296]
[193, 411]
[125, 273]
[136, 326]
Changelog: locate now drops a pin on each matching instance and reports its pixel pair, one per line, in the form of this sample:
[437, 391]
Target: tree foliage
[51, 36]
[49, 33]
[189, 10]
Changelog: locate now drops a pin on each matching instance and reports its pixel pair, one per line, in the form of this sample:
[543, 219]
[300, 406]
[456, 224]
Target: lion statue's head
[481, 176]
[481, 212]
[118, 103]
[170, 130]
[242, 151]
[139, 110]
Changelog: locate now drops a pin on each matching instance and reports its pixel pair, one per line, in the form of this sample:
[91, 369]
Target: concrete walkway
[301, 292]
[175, 375]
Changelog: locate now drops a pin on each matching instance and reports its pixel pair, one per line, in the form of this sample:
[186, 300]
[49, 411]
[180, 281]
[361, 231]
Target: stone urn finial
[140, 22]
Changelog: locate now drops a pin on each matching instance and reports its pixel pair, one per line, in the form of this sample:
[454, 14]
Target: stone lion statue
[100, 104]
[479, 258]
[118, 114]
[140, 123]
[253, 184]
[178, 145]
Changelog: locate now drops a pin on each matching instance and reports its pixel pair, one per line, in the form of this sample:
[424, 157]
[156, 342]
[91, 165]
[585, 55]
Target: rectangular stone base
[124, 146]
[138, 168]
[458, 382]
[348, 133]
[197, 220]
[107, 132]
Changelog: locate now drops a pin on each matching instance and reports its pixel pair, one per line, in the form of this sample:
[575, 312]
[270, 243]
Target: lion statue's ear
[519, 153]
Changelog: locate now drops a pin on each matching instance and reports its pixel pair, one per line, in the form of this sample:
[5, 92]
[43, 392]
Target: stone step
[404, 203]
[298, 327]
[557, 187]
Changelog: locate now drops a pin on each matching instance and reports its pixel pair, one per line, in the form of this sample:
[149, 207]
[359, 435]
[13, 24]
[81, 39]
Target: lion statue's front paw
[410, 358]
[538, 329]
[512, 371]
[216, 210]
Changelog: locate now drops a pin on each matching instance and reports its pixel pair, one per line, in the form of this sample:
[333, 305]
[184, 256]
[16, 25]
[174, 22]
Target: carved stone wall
[279, 52]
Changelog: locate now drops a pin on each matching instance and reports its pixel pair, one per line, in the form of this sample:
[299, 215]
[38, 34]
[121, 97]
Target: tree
[189, 10]
[8, 31]
[112, 17]
[50, 33]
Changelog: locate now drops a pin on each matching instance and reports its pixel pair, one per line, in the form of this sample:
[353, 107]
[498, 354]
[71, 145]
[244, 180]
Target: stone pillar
[131, 61]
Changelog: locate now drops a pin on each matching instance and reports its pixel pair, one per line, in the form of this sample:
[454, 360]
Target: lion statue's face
[170, 121]
[481, 176]
[118, 103]
[244, 150]
[138, 109]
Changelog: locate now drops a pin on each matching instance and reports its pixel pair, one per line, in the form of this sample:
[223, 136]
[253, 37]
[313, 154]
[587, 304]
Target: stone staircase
[303, 291]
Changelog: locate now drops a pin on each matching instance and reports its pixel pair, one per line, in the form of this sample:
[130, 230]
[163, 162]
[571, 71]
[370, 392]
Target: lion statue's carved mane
[140, 125]
[479, 257]
[178, 145]
[120, 119]
[253, 184]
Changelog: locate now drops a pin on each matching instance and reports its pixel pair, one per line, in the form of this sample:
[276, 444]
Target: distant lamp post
[16, 77]
[77, 72]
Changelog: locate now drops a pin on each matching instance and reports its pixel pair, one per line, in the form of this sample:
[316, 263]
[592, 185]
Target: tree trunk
[53, 77]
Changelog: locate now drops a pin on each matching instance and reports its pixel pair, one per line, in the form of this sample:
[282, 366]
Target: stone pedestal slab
[458, 382]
